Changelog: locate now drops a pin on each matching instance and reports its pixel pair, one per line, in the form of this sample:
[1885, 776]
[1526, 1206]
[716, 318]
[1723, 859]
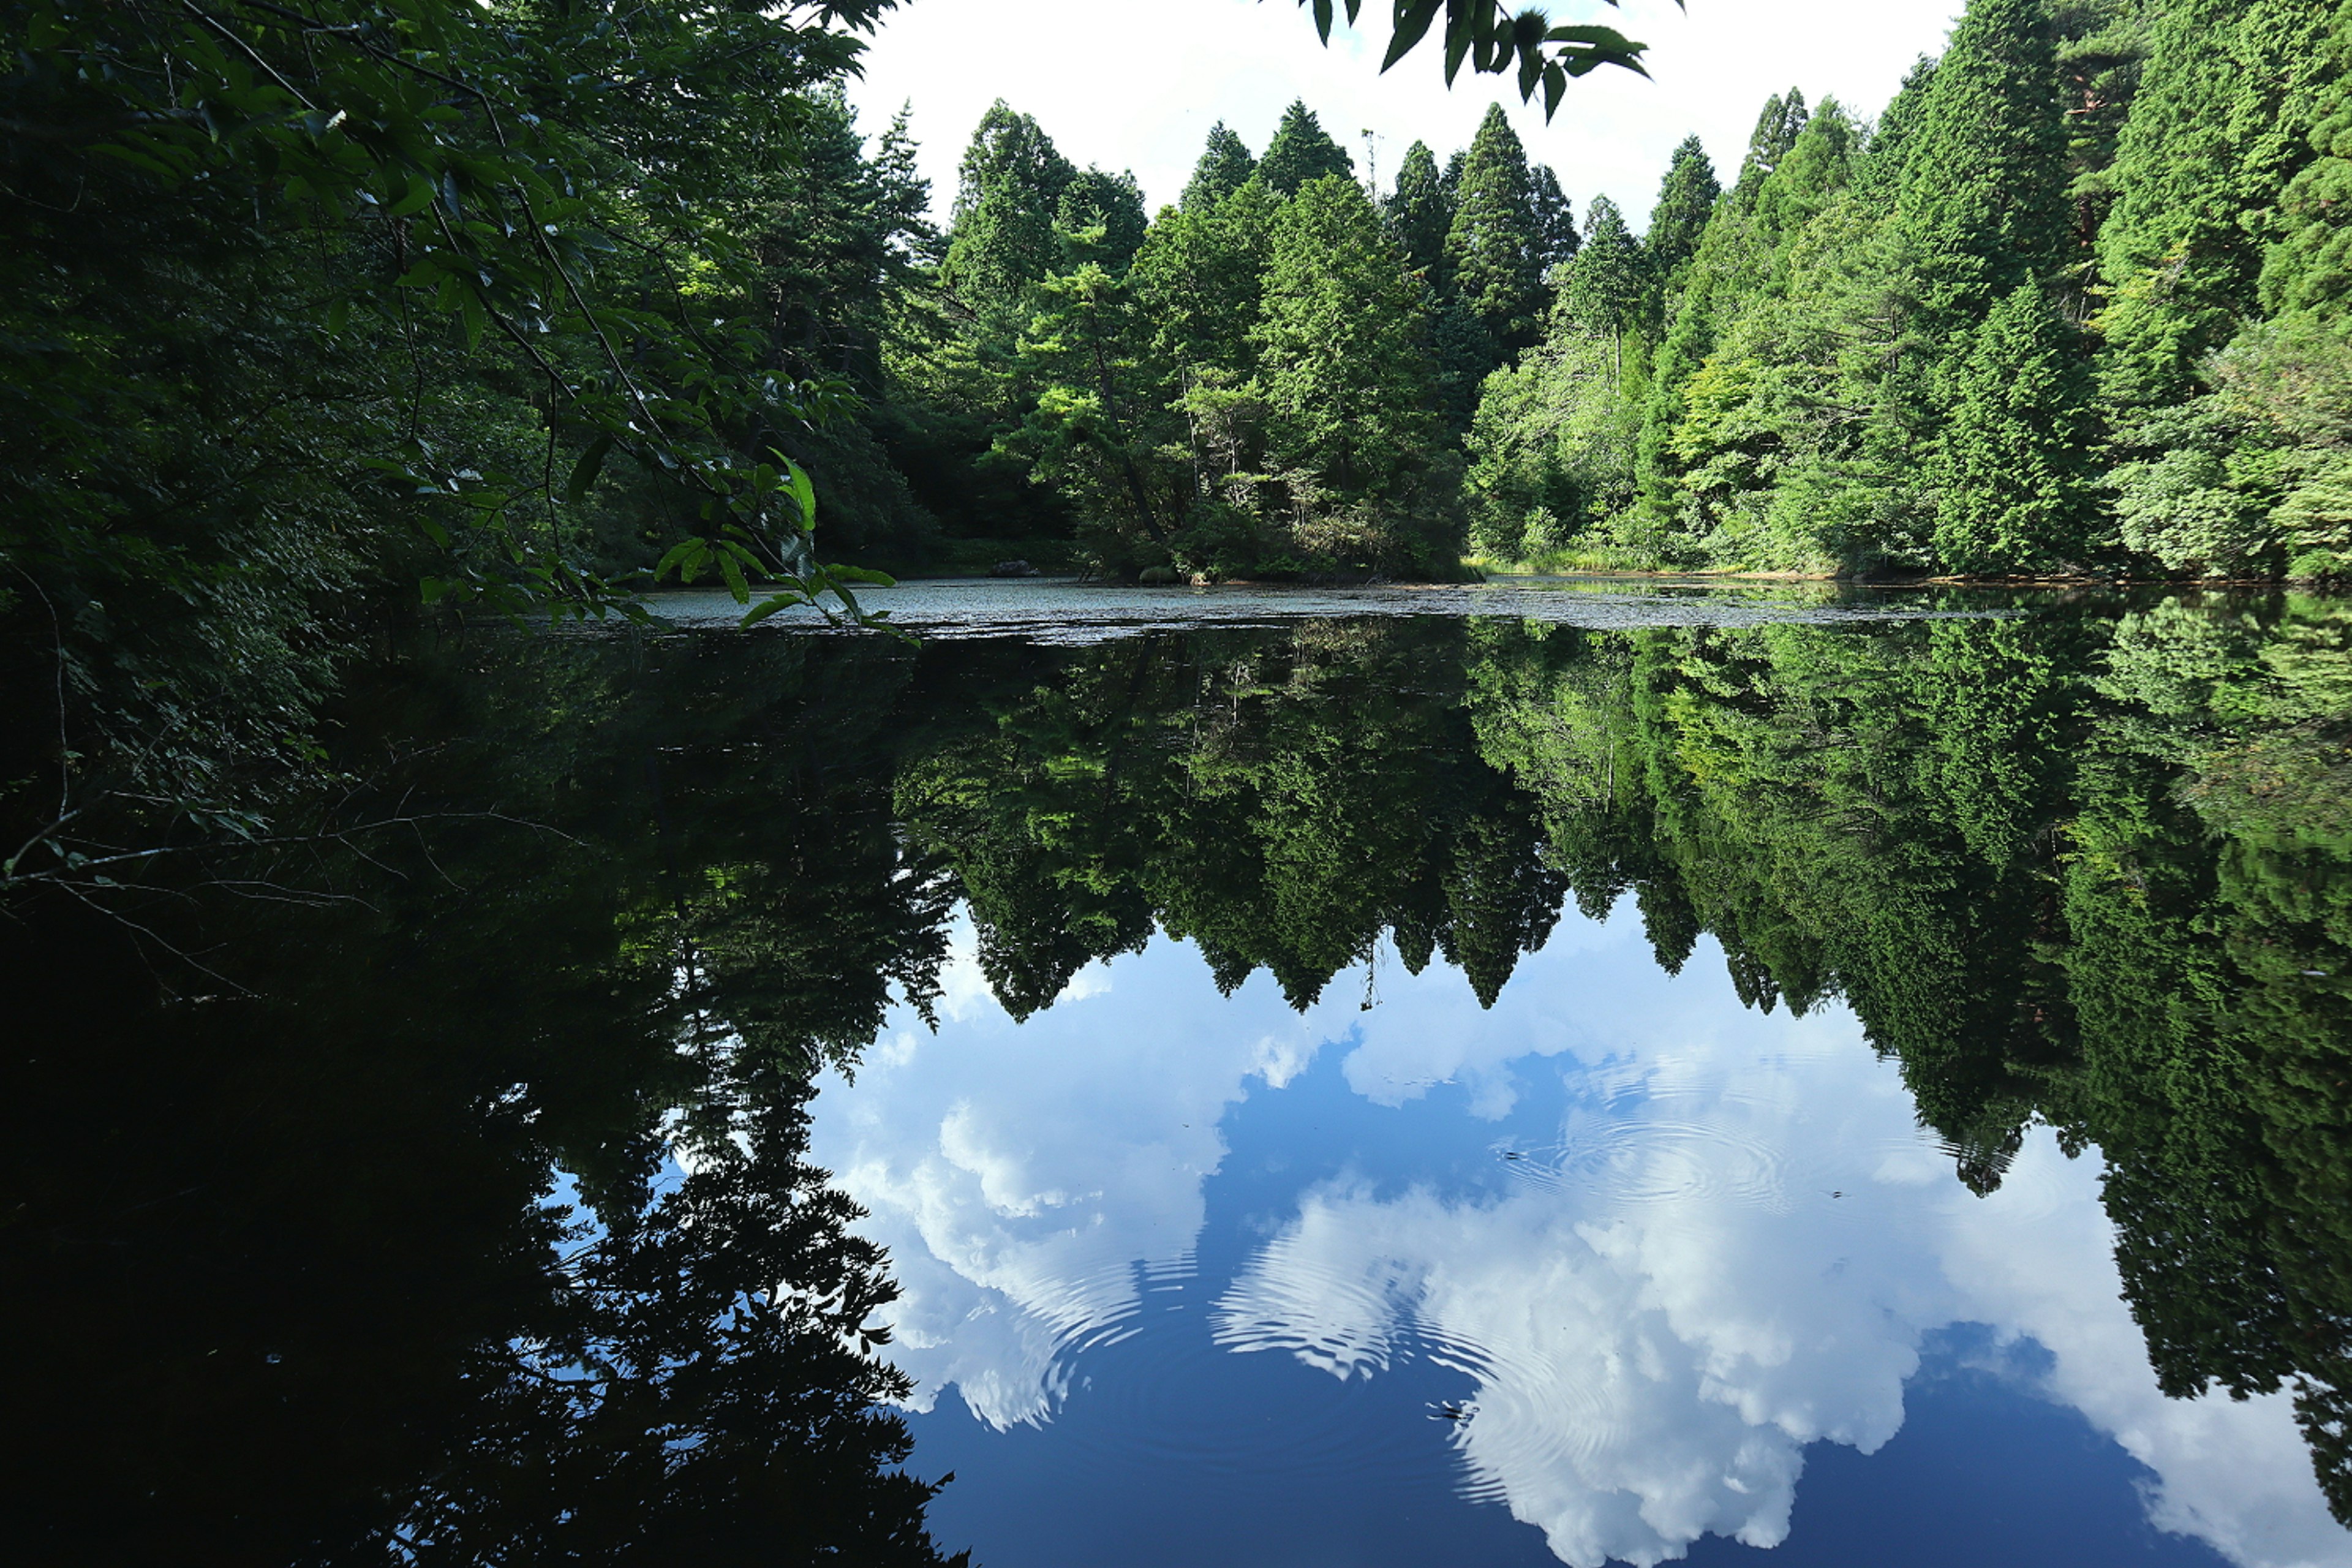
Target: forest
[2073, 303]
[316, 321]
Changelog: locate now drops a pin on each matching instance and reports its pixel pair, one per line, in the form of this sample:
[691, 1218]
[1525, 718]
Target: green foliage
[2016, 476]
[1349, 383]
[1496, 248]
[1687, 196]
[1603, 289]
[1301, 151]
[1421, 210]
[1983, 207]
[302, 311]
[1225, 166]
[1490, 38]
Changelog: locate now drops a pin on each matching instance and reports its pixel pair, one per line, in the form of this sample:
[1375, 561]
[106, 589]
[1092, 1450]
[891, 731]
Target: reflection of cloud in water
[1659, 1312]
[1022, 1175]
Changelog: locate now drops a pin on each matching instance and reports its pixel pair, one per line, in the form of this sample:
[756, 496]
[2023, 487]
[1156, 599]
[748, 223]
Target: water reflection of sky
[1627, 1261]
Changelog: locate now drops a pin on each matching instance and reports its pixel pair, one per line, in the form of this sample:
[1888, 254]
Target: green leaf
[1413, 19]
[419, 196]
[584, 471]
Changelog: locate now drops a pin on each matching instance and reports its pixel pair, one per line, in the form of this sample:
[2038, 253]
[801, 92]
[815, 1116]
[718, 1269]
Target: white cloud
[1136, 87]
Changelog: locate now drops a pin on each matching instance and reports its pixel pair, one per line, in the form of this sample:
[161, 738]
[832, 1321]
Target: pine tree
[1302, 150]
[1494, 251]
[1225, 164]
[1420, 213]
[1344, 343]
[1685, 198]
[2016, 493]
[1983, 203]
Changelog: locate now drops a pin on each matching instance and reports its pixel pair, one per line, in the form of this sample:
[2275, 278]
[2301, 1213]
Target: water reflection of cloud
[1730, 1245]
[1021, 1175]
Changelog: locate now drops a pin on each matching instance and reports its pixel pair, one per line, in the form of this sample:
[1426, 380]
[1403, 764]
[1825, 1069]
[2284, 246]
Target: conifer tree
[1983, 208]
[1200, 275]
[1879, 176]
[1111, 202]
[1778, 126]
[1685, 198]
[1494, 251]
[2222, 120]
[1302, 150]
[1556, 236]
[2015, 469]
[1008, 196]
[1602, 289]
[1225, 164]
[1344, 343]
[1420, 213]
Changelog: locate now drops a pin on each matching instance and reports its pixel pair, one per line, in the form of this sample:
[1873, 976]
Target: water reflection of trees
[297, 1247]
[291, 1229]
[2088, 868]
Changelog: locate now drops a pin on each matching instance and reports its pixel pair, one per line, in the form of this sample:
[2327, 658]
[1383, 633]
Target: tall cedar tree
[1556, 236]
[2222, 120]
[1685, 198]
[1008, 196]
[1302, 150]
[1224, 165]
[2016, 470]
[1420, 211]
[1983, 203]
[1495, 250]
[1601, 290]
[1344, 343]
[1111, 202]
[1778, 126]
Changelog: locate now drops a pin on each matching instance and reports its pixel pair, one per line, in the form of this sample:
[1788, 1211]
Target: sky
[1134, 85]
[1718, 1236]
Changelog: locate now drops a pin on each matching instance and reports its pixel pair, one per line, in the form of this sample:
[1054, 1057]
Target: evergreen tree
[1225, 164]
[1344, 341]
[1685, 197]
[1879, 176]
[1556, 237]
[1008, 197]
[1495, 249]
[1301, 151]
[1983, 203]
[2016, 470]
[1420, 212]
[1811, 175]
[1111, 202]
[2222, 120]
[1602, 289]
[1778, 126]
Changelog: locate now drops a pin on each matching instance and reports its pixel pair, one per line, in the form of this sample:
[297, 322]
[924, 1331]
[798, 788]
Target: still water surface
[1562, 1073]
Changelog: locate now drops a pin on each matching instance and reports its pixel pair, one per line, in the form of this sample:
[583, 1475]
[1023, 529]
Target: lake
[1552, 1071]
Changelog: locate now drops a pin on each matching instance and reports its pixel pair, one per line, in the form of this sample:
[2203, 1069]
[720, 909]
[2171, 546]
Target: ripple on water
[1657, 1160]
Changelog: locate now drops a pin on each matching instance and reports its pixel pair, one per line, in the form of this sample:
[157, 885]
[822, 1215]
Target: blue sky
[1137, 86]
